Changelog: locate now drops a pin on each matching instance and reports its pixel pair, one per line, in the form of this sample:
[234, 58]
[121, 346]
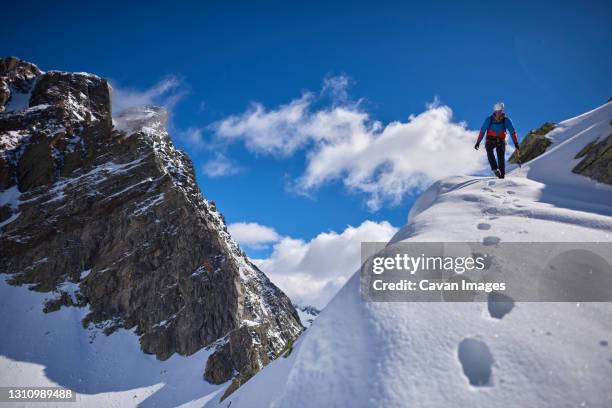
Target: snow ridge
[361, 354]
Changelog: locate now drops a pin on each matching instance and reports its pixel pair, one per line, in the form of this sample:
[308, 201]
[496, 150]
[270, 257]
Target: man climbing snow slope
[495, 127]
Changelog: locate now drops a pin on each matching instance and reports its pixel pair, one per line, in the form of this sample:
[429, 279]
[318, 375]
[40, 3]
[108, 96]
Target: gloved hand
[476, 146]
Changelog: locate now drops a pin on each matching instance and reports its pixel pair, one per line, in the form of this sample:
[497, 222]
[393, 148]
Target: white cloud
[387, 162]
[166, 93]
[192, 137]
[312, 272]
[278, 132]
[342, 144]
[253, 235]
[220, 166]
[337, 87]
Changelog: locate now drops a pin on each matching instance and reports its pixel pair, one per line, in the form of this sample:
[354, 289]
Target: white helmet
[499, 106]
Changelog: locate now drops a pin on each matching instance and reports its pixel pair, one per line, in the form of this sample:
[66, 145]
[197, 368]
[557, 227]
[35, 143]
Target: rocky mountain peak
[85, 96]
[109, 217]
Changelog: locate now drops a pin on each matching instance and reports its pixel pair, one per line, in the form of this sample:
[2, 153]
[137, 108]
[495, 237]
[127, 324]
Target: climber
[494, 127]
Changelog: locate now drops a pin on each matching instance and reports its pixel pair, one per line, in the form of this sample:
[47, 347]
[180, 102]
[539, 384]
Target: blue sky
[547, 61]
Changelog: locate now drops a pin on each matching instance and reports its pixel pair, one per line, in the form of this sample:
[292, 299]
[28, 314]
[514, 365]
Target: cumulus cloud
[386, 162]
[312, 272]
[220, 166]
[343, 144]
[252, 234]
[277, 132]
[167, 93]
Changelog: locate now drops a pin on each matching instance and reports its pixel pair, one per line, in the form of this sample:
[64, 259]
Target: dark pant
[499, 146]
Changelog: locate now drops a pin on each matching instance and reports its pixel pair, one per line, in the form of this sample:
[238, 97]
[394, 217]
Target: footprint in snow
[492, 182]
[483, 226]
[477, 361]
[470, 198]
[499, 304]
[490, 210]
[490, 240]
[510, 192]
[603, 343]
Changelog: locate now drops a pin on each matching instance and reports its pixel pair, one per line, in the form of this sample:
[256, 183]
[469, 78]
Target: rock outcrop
[108, 215]
[16, 79]
[534, 144]
[596, 160]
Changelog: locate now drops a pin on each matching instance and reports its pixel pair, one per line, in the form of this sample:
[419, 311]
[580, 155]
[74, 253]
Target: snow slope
[105, 371]
[359, 354]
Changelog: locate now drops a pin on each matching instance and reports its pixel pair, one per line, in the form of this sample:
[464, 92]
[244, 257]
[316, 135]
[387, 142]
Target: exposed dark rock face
[237, 350]
[534, 144]
[114, 210]
[596, 160]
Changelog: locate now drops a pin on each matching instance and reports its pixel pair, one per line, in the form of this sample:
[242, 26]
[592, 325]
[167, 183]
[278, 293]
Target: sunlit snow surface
[54, 349]
[359, 354]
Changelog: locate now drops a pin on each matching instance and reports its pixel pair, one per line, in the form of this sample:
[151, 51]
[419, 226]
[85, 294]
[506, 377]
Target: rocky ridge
[596, 160]
[534, 143]
[107, 215]
[596, 157]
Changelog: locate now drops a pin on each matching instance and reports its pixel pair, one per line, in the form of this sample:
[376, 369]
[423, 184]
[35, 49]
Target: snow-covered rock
[109, 220]
[307, 314]
[359, 354]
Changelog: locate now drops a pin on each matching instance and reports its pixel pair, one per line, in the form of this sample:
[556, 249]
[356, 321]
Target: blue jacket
[497, 129]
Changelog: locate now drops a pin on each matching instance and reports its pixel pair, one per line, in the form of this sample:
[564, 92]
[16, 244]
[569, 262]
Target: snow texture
[19, 101]
[111, 371]
[10, 197]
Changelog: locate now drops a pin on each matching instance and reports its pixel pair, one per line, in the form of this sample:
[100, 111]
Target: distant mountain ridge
[307, 313]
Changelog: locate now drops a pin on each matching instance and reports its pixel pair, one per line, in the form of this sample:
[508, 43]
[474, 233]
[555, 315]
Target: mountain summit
[106, 216]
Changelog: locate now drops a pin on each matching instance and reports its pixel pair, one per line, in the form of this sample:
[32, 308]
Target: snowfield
[38, 349]
[359, 354]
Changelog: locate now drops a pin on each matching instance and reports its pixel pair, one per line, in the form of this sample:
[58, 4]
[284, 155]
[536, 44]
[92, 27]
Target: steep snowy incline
[53, 350]
[362, 354]
[554, 167]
